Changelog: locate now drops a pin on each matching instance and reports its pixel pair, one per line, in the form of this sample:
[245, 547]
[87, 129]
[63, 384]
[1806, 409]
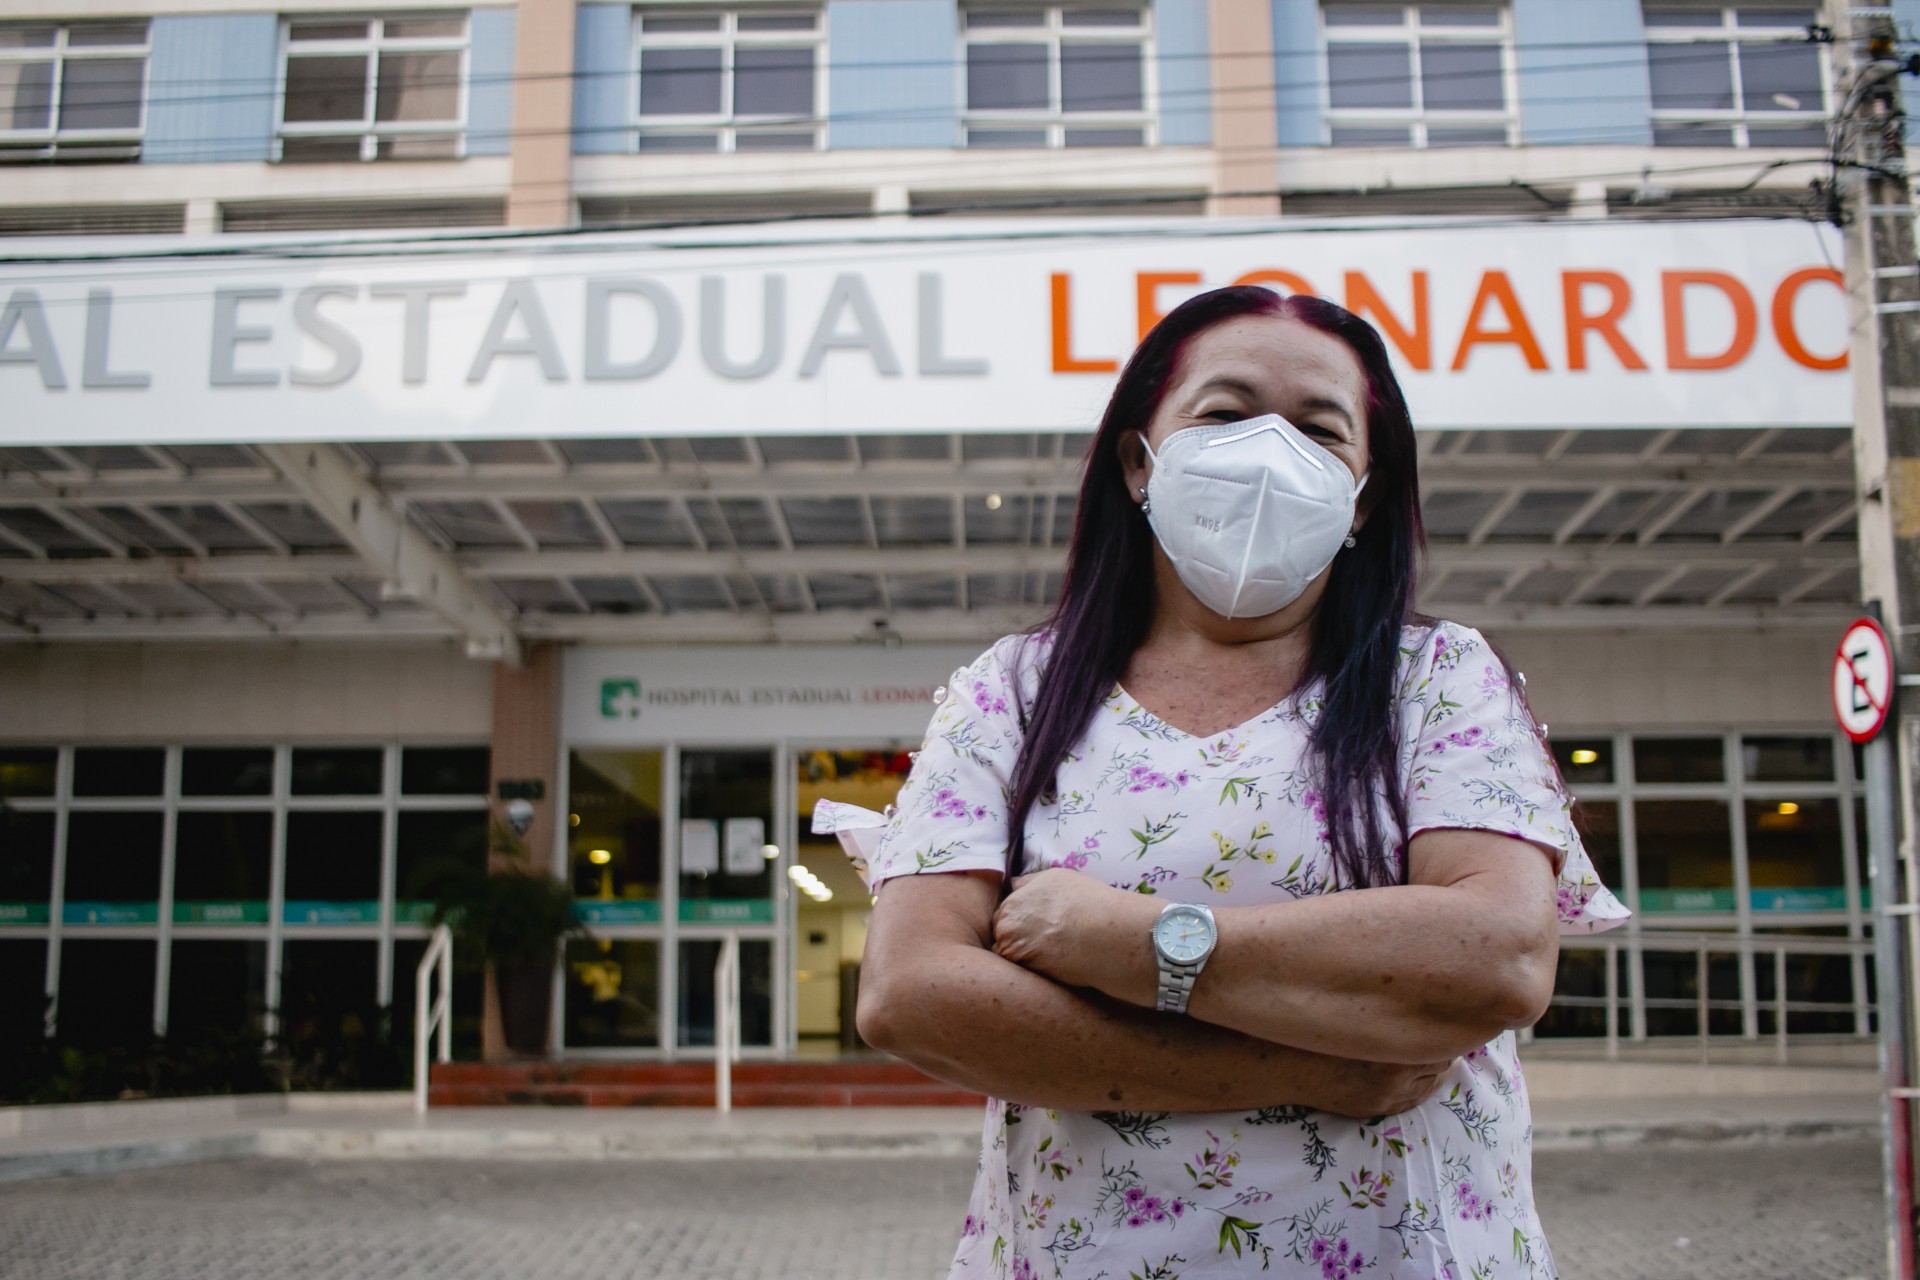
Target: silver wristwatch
[1183, 938]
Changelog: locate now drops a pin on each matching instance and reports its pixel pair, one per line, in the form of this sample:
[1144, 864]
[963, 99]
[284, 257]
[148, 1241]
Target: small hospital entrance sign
[1862, 680]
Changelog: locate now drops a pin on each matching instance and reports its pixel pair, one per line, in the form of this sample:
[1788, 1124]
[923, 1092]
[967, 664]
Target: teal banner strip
[727, 911]
[1688, 900]
[254, 912]
[305, 912]
[617, 911]
[1823, 898]
[110, 913]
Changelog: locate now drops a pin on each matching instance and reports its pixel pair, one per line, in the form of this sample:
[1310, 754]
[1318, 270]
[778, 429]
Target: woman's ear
[1134, 464]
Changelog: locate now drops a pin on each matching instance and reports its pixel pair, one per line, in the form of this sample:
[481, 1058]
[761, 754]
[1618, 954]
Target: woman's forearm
[1411, 973]
[966, 1015]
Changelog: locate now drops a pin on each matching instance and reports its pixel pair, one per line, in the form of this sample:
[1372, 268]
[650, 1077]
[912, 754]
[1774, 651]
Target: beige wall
[236, 692]
[1676, 679]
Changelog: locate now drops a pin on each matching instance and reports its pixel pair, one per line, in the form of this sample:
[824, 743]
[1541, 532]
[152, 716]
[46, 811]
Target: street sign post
[1863, 680]
[1863, 688]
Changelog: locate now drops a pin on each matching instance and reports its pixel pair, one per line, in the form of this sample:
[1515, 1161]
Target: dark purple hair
[1107, 600]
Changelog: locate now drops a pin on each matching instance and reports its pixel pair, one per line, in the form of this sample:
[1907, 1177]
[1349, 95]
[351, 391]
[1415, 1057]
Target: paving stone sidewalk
[1779, 1211]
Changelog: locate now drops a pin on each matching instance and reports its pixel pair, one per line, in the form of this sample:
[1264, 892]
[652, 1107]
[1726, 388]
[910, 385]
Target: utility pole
[1883, 289]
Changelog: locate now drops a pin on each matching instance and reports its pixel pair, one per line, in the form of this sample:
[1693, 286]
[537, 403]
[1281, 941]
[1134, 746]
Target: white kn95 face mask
[1249, 512]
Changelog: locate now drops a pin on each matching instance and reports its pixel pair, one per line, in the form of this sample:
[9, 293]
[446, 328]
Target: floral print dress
[1441, 1192]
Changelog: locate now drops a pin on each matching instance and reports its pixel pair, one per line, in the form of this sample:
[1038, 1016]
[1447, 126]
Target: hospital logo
[620, 699]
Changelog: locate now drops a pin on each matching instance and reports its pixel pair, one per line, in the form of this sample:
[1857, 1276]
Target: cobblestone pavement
[1797, 1211]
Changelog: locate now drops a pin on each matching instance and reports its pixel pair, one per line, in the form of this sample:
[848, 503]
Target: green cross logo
[620, 699]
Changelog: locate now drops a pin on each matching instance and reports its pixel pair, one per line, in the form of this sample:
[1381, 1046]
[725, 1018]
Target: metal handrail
[726, 1004]
[1702, 946]
[429, 1017]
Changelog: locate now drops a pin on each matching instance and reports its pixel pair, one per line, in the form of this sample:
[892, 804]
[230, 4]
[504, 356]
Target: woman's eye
[1221, 415]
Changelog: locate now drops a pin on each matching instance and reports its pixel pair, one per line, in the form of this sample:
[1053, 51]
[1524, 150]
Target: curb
[548, 1144]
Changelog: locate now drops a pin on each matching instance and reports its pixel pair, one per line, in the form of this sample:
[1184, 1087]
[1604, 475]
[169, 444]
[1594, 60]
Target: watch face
[1183, 935]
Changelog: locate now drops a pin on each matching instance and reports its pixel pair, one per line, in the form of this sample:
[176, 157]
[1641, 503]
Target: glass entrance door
[727, 861]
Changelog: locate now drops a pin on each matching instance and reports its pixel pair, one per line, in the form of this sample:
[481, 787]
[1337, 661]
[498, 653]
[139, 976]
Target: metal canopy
[835, 538]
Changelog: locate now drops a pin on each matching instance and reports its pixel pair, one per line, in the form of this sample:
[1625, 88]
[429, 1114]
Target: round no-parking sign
[1863, 680]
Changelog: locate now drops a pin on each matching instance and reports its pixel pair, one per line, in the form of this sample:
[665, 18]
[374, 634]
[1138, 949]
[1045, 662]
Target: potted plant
[514, 920]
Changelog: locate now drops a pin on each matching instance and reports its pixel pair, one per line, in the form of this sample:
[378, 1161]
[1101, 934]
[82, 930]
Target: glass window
[27, 772]
[726, 821]
[1795, 859]
[613, 835]
[26, 866]
[443, 771]
[697, 959]
[337, 771]
[72, 91]
[119, 771]
[333, 867]
[1678, 760]
[113, 868]
[1685, 855]
[1598, 822]
[430, 846]
[23, 990]
[1736, 77]
[1579, 1005]
[1581, 760]
[613, 993]
[329, 1006]
[1047, 76]
[1673, 993]
[383, 88]
[216, 988]
[1787, 759]
[222, 866]
[1433, 75]
[226, 771]
[106, 992]
[728, 81]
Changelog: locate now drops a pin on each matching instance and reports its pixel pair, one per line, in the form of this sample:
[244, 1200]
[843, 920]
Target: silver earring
[1348, 543]
[1146, 503]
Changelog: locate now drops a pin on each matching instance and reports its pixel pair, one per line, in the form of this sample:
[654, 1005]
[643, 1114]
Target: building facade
[425, 528]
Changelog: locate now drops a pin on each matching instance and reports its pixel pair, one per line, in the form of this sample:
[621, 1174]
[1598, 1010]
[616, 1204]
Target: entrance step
[689, 1084]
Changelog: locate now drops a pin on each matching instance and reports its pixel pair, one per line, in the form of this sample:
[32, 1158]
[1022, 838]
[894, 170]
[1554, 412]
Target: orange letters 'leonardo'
[1146, 287]
[1415, 341]
[1495, 287]
[1063, 359]
[1580, 321]
[1746, 321]
[1783, 326]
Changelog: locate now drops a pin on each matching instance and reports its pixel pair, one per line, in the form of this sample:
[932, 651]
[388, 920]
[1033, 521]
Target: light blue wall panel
[891, 80]
[602, 80]
[1186, 72]
[1299, 72]
[1583, 73]
[490, 83]
[211, 88]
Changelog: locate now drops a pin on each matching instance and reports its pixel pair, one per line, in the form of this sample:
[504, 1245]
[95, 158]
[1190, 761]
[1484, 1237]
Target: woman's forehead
[1269, 354]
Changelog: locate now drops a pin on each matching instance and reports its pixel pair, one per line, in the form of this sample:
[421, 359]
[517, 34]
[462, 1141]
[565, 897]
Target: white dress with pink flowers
[1441, 1192]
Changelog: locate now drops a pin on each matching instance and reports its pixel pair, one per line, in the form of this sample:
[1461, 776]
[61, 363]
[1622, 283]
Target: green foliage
[507, 917]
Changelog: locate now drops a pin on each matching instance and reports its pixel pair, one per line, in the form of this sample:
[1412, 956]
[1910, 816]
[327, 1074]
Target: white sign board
[699, 847]
[620, 697]
[926, 327]
[1862, 680]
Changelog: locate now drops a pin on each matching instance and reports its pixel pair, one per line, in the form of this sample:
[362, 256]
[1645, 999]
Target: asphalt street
[1791, 1211]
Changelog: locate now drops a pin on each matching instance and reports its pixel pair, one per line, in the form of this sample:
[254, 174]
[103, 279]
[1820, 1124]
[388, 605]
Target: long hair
[1107, 598]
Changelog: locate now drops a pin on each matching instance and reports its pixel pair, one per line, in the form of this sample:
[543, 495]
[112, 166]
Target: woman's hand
[1079, 932]
[1369, 1089]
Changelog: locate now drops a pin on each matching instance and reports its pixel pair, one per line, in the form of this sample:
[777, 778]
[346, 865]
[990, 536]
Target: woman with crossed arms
[1289, 862]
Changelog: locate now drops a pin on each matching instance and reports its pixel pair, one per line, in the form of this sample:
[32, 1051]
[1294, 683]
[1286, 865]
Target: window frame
[1054, 34]
[1738, 119]
[369, 130]
[728, 124]
[55, 142]
[1413, 33]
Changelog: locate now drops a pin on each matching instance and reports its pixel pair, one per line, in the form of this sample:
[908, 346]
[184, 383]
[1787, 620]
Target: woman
[1288, 861]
